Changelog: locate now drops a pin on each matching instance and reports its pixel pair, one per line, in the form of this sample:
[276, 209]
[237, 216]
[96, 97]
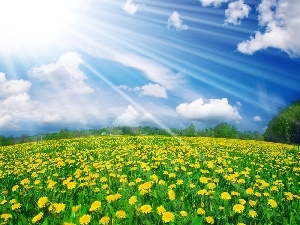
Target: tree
[285, 126]
[190, 130]
[225, 130]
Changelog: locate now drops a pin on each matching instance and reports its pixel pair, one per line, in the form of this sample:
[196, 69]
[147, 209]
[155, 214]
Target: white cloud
[175, 21]
[52, 118]
[64, 73]
[215, 3]
[5, 120]
[154, 90]
[20, 101]
[236, 11]
[282, 21]
[215, 111]
[131, 117]
[257, 118]
[130, 7]
[12, 87]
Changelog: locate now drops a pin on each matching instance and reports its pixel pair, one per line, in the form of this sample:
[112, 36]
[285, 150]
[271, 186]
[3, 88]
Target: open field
[149, 180]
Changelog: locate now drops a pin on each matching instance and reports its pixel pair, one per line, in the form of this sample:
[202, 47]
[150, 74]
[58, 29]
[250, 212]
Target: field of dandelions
[149, 181]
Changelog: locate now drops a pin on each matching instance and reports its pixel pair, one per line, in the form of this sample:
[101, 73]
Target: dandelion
[202, 192]
[167, 217]
[210, 220]
[14, 188]
[67, 223]
[95, 206]
[6, 216]
[16, 206]
[121, 214]
[238, 208]
[104, 220]
[171, 194]
[37, 218]
[146, 208]
[252, 203]
[75, 208]
[249, 191]
[3, 202]
[183, 213]
[272, 203]
[132, 200]
[252, 213]
[160, 210]
[42, 202]
[85, 219]
[71, 185]
[242, 201]
[225, 196]
[200, 211]
[58, 207]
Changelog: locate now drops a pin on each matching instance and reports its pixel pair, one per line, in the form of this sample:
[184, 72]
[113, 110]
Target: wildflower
[249, 191]
[75, 208]
[210, 220]
[272, 203]
[71, 185]
[14, 188]
[6, 216]
[146, 208]
[211, 185]
[3, 202]
[179, 182]
[67, 223]
[235, 193]
[25, 181]
[238, 208]
[42, 202]
[58, 207]
[252, 203]
[16, 206]
[252, 213]
[85, 219]
[167, 217]
[225, 196]
[241, 224]
[171, 194]
[160, 209]
[202, 192]
[183, 213]
[200, 211]
[121, 214]
[203, 180]
[132, 200]
[104, 220]
[242, 201]
[274, 188]
[37, 218]
[95, 206]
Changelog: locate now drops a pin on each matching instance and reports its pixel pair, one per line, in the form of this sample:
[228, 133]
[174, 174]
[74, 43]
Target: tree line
[222, 130]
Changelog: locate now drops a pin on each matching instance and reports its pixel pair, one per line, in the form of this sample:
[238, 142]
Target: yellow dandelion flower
[37, 218]
[121, 214]
[6, 216]
[200, 211]
[252, 213]
[242, 201]
[252, 203]
[202, 192]
[171, 194]
[167, 217]
[132, 200]
[58, 207]
[16, 206]
[204, 180]
[210, 220]
[14, 188]
[179, 182]
[25, 181]
[225, 196]
[85, 219]
[146, 208]
[160, 210]
[104, 220]
[241, 224]
[238, 208]
[71, 185]
[95, 206]
[249, 191]
[42, 202]
[272, 203]
[75, 208]
[13, 201]
[3, 202]
[69, 223]
[211, 185]
[183, 213]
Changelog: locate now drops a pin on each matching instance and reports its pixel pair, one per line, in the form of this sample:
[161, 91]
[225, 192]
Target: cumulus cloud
[236, 12]
[64, 73]
[257, 119]
[281, 20]
[154, 90]
[131, 117]
[215, 3]
[175, 21]
[130, 7]
[12, 87]
[214, 111]
[52, 118]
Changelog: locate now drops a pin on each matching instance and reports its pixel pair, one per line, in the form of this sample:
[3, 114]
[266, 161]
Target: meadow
[149, 181]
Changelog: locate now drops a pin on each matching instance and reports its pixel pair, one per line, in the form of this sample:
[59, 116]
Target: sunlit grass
[149, 180]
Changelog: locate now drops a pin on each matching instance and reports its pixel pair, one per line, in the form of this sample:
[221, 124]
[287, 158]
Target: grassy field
[149, 180]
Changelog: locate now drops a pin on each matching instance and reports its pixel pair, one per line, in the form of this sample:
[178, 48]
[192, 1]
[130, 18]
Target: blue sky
[90, 64]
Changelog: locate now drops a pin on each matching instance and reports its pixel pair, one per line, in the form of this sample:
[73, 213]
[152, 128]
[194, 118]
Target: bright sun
[27, 23]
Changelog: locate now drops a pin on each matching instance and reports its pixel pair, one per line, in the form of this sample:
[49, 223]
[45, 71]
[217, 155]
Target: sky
[88, 64]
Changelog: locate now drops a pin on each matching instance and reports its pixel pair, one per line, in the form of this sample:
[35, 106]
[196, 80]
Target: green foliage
[225, 130]
[285, 127]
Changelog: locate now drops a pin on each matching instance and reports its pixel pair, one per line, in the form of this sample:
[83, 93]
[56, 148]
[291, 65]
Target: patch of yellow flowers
[149, 180]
